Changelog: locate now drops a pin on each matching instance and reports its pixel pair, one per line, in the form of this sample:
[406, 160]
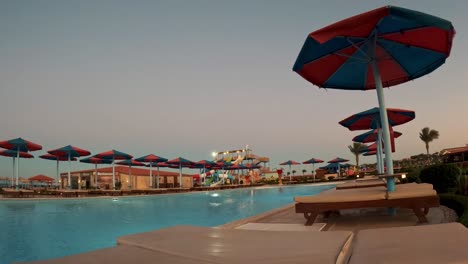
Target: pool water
[43, 229]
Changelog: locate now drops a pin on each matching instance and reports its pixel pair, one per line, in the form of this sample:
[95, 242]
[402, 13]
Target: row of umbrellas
[382, 47]
[19, 148]
[313, 161]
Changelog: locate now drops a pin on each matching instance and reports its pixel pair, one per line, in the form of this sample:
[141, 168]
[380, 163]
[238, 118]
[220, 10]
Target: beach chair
[417, 197]
[361, 184]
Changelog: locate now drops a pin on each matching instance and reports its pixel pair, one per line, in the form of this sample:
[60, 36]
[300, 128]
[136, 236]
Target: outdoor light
[213, 154]
[403, 176]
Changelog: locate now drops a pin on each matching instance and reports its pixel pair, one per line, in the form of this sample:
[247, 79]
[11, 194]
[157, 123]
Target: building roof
[126, 170]
[454, 150]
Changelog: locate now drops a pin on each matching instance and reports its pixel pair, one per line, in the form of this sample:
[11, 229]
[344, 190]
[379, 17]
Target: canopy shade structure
[70, 152]
[15, 155]
[289, 163]
[152, 159]
[313, 161]
[113, 155]
[20, 145]
[181, 162]
[372, 135]
[58, 159]
[383, 47]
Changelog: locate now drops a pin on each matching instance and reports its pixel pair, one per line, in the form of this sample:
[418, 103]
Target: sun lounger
[428, 244]
[13, 193]
[417, 197]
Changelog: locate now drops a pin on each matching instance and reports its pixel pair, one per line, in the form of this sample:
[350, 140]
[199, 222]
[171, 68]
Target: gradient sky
[185, 78]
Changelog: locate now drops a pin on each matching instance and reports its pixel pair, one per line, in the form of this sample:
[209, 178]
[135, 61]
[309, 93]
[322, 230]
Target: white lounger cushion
[428, 244]
[212, 245]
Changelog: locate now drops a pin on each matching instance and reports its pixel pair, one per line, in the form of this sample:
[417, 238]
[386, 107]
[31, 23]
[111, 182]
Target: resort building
[139, 178]
[457, 155]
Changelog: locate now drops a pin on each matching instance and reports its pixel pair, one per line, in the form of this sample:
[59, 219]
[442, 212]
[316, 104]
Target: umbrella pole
[113, 174]
[69, 171]
[157, 179]
[13, 175]
[17, 168]
[313, 171]
[383, 118]
[151, 175]
[57, 176]
[130, 177]
[180, 175]
[289, 173]
[95, 175]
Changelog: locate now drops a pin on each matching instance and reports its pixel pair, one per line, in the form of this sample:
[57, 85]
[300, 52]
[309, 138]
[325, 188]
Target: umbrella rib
[359, 49]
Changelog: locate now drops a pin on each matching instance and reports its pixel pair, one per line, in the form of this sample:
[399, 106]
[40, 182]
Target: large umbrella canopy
[371, 136]
[113, 155]
[19, 145]
[96, 161]
[370, 119]
[130, 163]
[181, 162]
[41, 178]
[15, 154]
[56, 158]
[370, 153]
[383, 47]
[313, 161]
[290, 162]
[70, 152]
[152, 159]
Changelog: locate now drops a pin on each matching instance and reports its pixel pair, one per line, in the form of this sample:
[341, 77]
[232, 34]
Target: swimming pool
[42, 229]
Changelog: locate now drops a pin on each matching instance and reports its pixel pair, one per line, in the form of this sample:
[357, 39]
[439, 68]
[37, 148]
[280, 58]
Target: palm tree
[293, 172]
[303, 171]
[356, 149]
[428, 135]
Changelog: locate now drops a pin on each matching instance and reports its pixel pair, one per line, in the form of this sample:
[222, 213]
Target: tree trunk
[427, 148]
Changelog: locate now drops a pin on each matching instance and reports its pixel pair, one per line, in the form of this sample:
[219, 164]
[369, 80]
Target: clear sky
[185, 78]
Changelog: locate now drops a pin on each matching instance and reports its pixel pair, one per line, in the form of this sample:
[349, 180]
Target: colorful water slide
[239, 159]
[221, 179]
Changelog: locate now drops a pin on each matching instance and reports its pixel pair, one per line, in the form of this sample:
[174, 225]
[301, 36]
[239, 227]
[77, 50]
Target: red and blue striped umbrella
[181, 162]
[96, 161]
[383, 47]
[152, 159]
[113, 155]
[130, 163]
[372, 135]
[70, 152]
[313, 161]
[15, 154]
[290, 162]
[56, 158]
[20, 145]
[370, 119]
[337, 161]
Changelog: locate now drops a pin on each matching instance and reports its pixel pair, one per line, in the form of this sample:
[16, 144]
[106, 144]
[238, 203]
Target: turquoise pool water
[42, 229]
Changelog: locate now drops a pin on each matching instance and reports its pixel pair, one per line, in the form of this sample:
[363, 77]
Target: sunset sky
[186, 78]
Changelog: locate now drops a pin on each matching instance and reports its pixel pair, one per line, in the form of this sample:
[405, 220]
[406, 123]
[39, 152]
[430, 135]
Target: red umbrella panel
[19, 145]
[152, 159]
[56, 158]
[15, 155]
[113, 155]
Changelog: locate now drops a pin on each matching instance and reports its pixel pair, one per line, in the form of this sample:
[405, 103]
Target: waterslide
[221, 179]
[239, 159]
[203, 175]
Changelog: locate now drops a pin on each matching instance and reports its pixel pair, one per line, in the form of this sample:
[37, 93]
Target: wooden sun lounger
[361, 184]
[417, 197]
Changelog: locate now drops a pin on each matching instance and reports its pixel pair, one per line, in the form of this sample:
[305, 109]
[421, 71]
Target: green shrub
[458, 203]
[444, 177]
[330, 178]
[413, 175]
[118, 185]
